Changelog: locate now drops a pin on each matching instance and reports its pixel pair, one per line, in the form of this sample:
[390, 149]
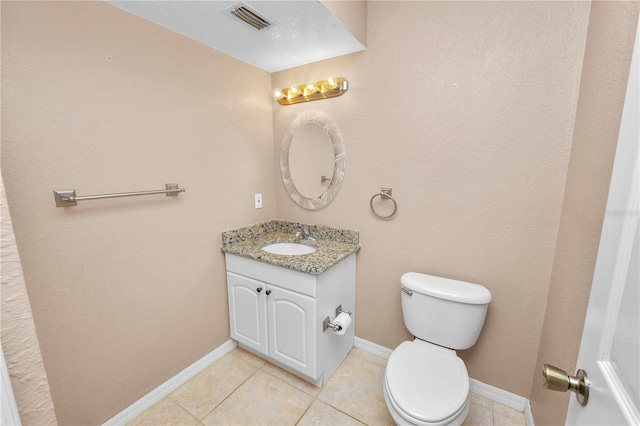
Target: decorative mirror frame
[331, 128]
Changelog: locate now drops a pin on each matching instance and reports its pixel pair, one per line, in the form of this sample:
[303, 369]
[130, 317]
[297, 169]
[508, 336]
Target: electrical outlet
[258, 201]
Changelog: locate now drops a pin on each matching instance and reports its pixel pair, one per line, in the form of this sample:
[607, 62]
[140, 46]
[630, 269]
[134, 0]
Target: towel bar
[68, 197]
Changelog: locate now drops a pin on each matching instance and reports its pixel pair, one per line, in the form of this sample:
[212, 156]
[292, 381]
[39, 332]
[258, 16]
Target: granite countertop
[332, 245]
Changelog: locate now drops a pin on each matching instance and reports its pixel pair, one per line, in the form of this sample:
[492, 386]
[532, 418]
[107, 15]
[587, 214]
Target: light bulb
[292, 92]
[277, 94]
[310, 88]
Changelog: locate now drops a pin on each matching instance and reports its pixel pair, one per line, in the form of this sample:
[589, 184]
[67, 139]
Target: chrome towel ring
[385, 193]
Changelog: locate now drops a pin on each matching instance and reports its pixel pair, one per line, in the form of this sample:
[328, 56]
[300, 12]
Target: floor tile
[323, 414]
[479, 415]
[356, 389]
[291, 379]
[244, 389]
[367, 357]
[209, 388]
[481, 401]
[249, 357]
[503, 415]
[165, 412]
[261, 400]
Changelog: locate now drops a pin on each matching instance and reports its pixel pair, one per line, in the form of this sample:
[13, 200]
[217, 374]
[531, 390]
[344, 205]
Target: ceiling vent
[250, 17]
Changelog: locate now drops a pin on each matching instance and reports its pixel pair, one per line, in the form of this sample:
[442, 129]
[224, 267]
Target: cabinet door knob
[259, 289]
[268, 292]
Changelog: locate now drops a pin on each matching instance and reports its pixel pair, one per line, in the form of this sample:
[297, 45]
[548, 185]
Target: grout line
[349, 415]
[179, 405]
[156, 395]
[305, 411]
[314, 398]
[233, 391]
[317, 399]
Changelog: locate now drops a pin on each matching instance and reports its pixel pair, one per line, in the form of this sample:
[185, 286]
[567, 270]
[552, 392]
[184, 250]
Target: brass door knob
[558, 380]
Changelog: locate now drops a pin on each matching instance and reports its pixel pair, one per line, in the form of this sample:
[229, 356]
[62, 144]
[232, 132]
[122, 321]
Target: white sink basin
[288, 249]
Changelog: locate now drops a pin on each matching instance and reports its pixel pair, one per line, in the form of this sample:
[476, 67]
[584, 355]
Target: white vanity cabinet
[278, 314]
[273, 321]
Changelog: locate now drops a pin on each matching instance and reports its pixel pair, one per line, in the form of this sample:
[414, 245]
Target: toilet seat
[427, 384]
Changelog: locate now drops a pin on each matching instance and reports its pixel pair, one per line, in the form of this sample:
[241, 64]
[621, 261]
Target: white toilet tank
[443, 311]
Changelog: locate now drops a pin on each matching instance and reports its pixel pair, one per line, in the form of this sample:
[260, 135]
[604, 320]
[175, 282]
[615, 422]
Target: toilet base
[455, 420]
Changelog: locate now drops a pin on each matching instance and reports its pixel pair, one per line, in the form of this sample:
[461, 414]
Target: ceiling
[302, 31]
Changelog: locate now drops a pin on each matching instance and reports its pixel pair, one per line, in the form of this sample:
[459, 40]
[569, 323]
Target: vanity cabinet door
[292, 335]
[247, 311]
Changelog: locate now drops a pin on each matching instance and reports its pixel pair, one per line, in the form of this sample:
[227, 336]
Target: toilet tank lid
[446, 288]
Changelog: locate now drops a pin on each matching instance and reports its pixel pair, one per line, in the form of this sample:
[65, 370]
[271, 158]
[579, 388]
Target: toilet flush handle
[406, 290]
[558, 380]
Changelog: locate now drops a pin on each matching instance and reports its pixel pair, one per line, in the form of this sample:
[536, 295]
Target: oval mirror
[312, 160]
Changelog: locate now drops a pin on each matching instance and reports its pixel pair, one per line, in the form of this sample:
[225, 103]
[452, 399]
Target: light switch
[258, 201]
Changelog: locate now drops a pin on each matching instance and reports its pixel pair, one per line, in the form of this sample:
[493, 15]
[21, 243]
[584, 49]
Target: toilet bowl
[425, 382]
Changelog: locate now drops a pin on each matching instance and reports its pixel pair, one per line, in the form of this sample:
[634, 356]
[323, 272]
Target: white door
[292, 319]
[247, 312]
[9, 409]
[610, 348]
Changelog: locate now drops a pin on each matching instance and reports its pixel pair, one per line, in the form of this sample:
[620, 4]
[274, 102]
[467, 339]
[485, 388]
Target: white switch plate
[258, 201]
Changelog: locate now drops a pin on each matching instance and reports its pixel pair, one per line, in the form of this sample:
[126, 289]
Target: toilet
[425, 382]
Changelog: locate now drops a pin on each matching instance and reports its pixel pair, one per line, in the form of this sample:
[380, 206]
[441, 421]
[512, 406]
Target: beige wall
[466, 110]
[125, 293]
[612, 27]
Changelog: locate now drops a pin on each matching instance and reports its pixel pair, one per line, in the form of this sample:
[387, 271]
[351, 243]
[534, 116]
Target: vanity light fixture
[311, 91]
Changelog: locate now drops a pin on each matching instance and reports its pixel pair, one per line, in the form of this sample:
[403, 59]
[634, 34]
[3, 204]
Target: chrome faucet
[305, 234]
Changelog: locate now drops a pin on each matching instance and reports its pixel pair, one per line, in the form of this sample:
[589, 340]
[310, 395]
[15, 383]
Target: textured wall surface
[126, 292]
[612, 27]
[19, 338]
[466, 110]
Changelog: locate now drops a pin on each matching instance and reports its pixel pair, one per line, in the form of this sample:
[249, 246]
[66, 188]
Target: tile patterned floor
[243, 389]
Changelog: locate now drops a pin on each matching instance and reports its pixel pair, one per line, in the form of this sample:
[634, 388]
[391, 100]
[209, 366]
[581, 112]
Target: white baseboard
[372, 348]
[498, 395]
[528, 414]
[147, 401]
[503, 397]
[128, 414]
